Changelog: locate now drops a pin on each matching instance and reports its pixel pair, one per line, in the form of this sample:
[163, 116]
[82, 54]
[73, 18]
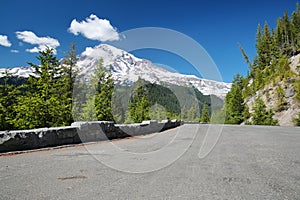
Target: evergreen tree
[193, 112]
[184, 113]
[69, 73]
[99, 96]
[41, 106]
[205, 116]
[117, 107]
[281, 103]
[287, 34]
[296, 29]
[139, 105]
[218, 117]
[158, 112]
[103, 98]
[8, 99]
[246, 114]
[262, 116]
[234, 102]
[263, 46]
[88, 109]
[245, 55]
[271, 65]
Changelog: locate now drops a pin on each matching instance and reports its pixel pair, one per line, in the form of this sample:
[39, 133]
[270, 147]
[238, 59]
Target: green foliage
[87, 112]
[42, 100]
[281, 103]
[218, 117]
[103, 95]
[274, 47]
[9, 93]
[267, 93]
[193, 113]
[245, 56]
[43, 103]
[33, 112]
[246, 114]
[164, 96]
[68, 75]
[262, 116]
[205, 116]
[297, 88]
[234, 102]
[166, 102]
[98, 99]
[297, 120]
[263, 46]
[158, 112]
[139, 106]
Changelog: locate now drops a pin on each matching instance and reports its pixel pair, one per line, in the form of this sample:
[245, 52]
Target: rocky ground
[268, 94]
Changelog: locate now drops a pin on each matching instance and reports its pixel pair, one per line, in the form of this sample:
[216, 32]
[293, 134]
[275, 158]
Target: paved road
[246, 163]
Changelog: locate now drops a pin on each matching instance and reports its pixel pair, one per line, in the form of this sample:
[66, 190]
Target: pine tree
[158, 112]
[218, 117]
[193, 112]
[41, 106]
[103, 97]
[99, 97]
[296, 29]
[184, 113]
[234, 102]
[88, 109]
[117, 107]
[264, 48]
[262, 116]
[246, 114]
[205, 116]
[139, 105]
[69, 73]
[287, 34]
[281, 103]
[8, 99]
[245, 55]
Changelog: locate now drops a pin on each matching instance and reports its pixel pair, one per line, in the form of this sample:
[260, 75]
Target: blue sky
[217, 25]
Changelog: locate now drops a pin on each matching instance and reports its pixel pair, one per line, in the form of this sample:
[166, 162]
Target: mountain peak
[126, 68]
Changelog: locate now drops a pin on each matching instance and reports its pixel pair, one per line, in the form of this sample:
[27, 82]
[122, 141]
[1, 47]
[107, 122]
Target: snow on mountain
[126, 68]
[17, 71]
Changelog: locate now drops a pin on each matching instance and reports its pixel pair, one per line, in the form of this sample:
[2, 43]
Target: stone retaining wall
[78, 132]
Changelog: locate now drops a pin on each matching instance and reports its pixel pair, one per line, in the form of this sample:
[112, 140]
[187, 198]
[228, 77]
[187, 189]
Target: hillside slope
[269, 95]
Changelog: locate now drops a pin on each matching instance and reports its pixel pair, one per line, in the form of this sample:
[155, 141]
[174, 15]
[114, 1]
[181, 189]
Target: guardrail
[78, 132]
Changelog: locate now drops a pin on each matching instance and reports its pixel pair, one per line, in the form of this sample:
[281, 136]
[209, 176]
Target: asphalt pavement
[237, 162]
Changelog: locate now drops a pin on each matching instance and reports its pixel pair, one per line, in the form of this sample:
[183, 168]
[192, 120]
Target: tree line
[274, 48]
[52, 96]
[42, 100]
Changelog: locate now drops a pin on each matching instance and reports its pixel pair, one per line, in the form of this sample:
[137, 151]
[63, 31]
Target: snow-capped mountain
[17, 71]
[126, 68]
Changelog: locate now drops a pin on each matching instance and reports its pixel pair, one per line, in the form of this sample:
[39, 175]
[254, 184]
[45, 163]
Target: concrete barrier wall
[78, 132]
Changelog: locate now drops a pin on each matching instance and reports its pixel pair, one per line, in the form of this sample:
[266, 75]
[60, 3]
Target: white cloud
[95, 29]
[42, 42]
[14, 51]
[4, 41]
